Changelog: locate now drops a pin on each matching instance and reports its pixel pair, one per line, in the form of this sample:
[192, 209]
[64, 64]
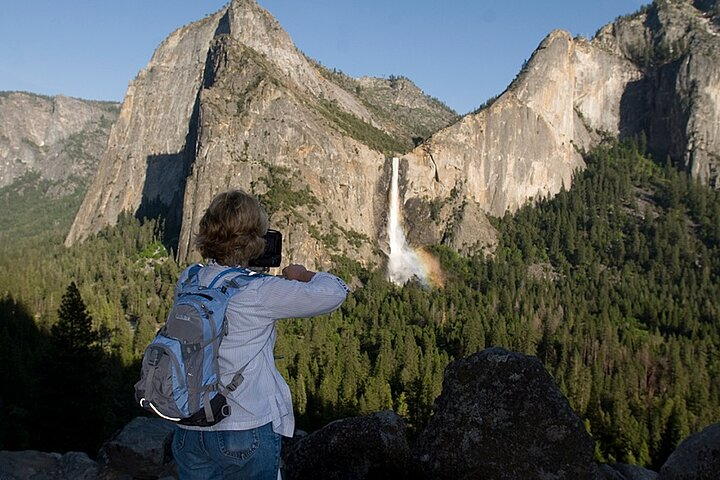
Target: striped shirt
[264, 396]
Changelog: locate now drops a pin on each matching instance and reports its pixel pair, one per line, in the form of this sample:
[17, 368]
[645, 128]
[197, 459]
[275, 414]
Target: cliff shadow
[670, 112]
[163, 193]
[164, 189]
[652, 106]
[634, 109]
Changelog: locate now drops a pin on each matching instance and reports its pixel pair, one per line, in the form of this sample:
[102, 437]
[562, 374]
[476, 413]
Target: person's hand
[297, 272]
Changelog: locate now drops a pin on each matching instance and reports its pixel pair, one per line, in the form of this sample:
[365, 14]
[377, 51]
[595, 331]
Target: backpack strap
[192, 278]
[241, 271]
[238, 377]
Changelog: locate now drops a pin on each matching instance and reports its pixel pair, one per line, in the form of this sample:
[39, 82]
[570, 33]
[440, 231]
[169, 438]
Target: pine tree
[74, 407]
[74, 331]
[20, 342]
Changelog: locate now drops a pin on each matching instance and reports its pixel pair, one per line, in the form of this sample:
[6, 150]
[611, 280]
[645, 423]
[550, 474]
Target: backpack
[180, 375]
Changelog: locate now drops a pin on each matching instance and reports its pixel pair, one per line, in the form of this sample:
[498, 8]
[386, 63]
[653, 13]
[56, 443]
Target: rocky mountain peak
[676, 104]
[254, 27]
[230, 102]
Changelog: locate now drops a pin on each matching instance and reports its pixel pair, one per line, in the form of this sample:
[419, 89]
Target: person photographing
[246, 443]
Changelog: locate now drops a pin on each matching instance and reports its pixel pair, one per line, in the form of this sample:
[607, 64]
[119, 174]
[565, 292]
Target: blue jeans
[206, 455]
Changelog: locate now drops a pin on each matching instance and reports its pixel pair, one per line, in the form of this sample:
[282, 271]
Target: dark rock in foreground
[501, 416]
[141, 449]
[351, 449]
[696, 458]
[624, 471]
[46, 466]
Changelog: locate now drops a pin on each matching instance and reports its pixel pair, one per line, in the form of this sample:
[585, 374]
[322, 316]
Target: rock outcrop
[526, 145]
[696, 458]
[624, 471]
[32, 464]
[142, 449]
[500, 415]
[677, 101]
[332, 452]
[230, 102]
[58, 138]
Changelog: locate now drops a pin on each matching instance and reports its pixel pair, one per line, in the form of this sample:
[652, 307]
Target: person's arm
[301, 293]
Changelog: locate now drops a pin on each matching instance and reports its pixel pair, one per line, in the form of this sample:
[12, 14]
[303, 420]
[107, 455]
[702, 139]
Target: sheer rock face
[229, 102]
[261, 132]
[147, 157]
[677, 102]
[524, 146]
[60, 138]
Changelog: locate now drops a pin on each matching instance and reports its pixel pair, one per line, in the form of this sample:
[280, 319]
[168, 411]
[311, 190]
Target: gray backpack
[180, 375]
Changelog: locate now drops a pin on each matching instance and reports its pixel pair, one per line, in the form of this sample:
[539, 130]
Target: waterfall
[404, 263]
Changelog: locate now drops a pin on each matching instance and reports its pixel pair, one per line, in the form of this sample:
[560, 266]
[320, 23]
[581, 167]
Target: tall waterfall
[404, 263]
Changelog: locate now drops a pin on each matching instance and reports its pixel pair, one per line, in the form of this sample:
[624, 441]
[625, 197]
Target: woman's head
[232, 229]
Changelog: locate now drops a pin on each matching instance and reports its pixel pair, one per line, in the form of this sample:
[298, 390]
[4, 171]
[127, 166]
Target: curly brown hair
[232, 229]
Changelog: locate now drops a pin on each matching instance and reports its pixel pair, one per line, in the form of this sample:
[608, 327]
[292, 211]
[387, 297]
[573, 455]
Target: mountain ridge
[525, 145]
[59, 138]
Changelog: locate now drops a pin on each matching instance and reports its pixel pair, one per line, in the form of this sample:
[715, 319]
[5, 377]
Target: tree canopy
[612, 283]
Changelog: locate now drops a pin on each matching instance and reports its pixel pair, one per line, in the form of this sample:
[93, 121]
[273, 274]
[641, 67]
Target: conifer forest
[613, 283]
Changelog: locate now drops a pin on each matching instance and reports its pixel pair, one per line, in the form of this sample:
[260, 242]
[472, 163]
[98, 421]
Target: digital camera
[272, 256]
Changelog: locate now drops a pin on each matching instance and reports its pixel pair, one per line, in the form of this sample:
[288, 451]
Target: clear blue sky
[459, 51]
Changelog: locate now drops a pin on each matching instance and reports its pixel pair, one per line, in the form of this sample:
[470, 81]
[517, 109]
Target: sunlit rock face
[526, 145]
[58, 138]
[229, 102]
[677, 101]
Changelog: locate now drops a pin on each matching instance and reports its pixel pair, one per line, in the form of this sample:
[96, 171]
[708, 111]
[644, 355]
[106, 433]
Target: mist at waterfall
[404, 262]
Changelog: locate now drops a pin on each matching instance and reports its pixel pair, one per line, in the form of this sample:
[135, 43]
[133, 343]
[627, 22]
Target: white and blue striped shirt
[264, 396]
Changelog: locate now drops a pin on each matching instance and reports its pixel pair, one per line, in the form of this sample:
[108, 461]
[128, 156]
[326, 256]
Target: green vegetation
[625, 315]
[354, 238]
[360, 130]
[281, 195]
[27, 214]
[487, 103]
[381, 98]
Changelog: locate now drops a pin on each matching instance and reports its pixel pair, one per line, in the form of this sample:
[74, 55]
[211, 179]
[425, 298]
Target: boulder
[31, 464]
[142, 449]
[696, 458]
[353, 448]
[624, 471]
[78, 466]
[501, 416]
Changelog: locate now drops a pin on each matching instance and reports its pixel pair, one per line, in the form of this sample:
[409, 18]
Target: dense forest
[614, 284]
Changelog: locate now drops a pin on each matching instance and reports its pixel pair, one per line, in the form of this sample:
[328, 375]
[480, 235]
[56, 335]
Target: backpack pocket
[162, 386]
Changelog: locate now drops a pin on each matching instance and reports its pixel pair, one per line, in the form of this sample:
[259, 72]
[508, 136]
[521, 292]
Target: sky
[461, 52]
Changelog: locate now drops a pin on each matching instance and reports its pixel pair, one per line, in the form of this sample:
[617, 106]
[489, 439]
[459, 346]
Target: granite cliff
[58, 138]
[653, 74]
[676, 102]
[230, 102]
